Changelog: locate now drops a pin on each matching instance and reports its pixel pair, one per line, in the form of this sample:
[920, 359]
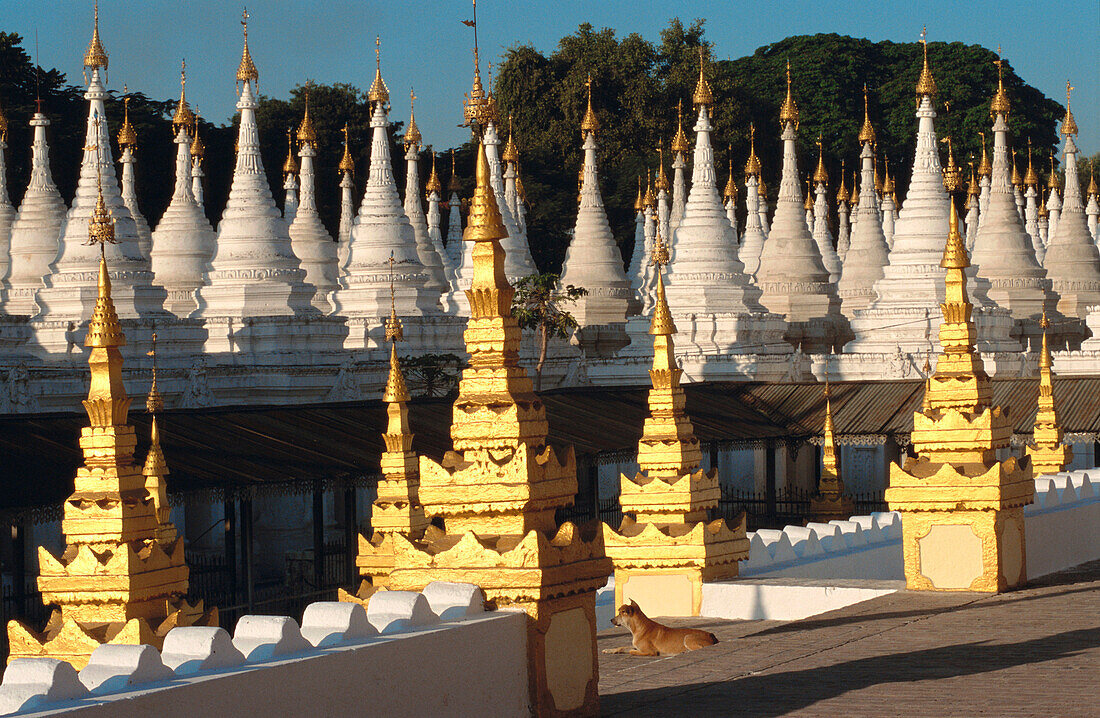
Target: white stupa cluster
[267, 306]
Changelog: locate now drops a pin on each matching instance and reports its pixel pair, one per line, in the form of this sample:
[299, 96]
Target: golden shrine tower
[666, 546]
[961, 508]
[830, 502]
[497, 493]
[122, 576]
[1049, 454]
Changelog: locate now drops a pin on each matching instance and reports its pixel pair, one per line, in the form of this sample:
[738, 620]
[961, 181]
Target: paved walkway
[1033, 652]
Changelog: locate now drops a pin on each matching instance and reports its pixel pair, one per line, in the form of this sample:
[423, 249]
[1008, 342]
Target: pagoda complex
[122, 577]
[961, 508]
[666, 546]
[497, 492]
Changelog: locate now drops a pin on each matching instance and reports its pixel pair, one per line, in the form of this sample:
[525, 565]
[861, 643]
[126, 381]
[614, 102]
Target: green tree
[538, 304]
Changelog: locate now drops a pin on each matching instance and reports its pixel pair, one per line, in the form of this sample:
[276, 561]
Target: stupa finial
[290, 167]
[1069, 125]
[867, 131]
[1000, 104]
[589, 123]
[926, 84]
[702, 97]
[788, 111]
[347, 164]
[306, 133]
[680, 144]
[752, 164]
[412, 132]
[821, 176]
[378, 91]
[95, 57]
[985, 168]
[247, 71]
[184, 117]
[127, 137]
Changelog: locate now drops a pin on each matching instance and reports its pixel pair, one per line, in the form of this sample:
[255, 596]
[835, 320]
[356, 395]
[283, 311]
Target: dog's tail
[713, 638]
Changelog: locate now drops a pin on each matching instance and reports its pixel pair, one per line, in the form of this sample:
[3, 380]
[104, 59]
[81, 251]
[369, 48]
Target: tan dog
[653, 639]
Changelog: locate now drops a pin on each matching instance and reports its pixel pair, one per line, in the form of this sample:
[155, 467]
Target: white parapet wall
[1062, 527]
[395, 658]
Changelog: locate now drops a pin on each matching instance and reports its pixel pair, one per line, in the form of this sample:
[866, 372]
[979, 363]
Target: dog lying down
[653, 639]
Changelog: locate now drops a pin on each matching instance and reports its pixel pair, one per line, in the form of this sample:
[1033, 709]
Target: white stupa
[414, 210]
[663, 207]
[973, 210]
[752, 241]
[1072, 261]
[1031, 207]
[383, 231]
[198, 152]
[183, 241]
[7, 211]
[1054, 200]
[433, 190]
[985, 180]
[905, 316]
[792, 277]
[1003, 253]
[72, 287]
[680, 147]
[1092, 209]
[868, 253]
[254, 272]
[454, 220]
[843, 216]
[729, 199]
[636, 267]
[290, 180]
[127, 143]
[309, 239]
[346, 168]
[35, 230]
[889, 205]
[592, 259]
[822, 236]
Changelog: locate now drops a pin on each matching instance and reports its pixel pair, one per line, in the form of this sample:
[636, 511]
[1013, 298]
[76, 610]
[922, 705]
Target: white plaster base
[787, 599]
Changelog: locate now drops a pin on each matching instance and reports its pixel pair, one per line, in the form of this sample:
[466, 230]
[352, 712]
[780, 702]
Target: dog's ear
[633, 603]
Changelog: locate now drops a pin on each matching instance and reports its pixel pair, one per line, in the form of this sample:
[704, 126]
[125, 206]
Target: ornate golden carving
[347, 164]
[752, 164]
[926, 84]
[247, 71]
[95, 56]
[867, 131]
[788, 111]
[306, 133]
[127, 137]
[378, 91]
[184, 117]
[589, 123]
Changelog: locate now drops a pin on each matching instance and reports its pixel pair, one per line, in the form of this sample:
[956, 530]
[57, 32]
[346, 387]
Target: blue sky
[424, 45]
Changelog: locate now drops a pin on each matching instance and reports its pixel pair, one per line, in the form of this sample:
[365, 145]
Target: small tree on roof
[538, 304]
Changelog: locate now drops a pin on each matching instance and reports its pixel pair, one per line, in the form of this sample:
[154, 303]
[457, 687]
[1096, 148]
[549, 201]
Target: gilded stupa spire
[808, 202]
[830, 503]
[306, 133]
[1017, 181]
[433, 184]
[752, 164]
[1049, 455]
[290, 167]
[453, 185]
[821, 175]
[639, 203]
[412, 132]
[95, 57]
[127, 137]
[198, 147]
[511, 151]
[1093, 189]
[378, 91]
[1053, 181]
[926, 84]
[702, 96]
[985, 169]
[952, 174]
[246, 71]
[649, 199]
[155, 469]
[788, 111]
[842, 190]
[184, 117]
[730, 191]
[854, 201]
[680, 144]
[1069, 125]
[589, 123]
[662, 178]
[1000, 104]
[1031, 177]
[887, 180]
[973, 189]
[347, 164]
[867, 131]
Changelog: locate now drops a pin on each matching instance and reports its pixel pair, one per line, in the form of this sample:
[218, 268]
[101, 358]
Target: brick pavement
[1032, 652]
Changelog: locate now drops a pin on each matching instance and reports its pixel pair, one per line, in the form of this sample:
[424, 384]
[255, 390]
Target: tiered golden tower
[122, 576]
[1049, 455]
[830, 501]
[498, 490]
[962, 509]
[666, 546]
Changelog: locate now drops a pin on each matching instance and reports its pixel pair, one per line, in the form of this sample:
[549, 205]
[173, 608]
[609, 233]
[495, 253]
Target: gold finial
[156, 468]
[1044, 355]
[1093, 189]
[1043, 211]
[433, 184]
[820, 175]
[290, 167]
[662, 179]
[926, 400]
[484, 222]
[1016, 181]
[589, 123]
[985, 169]
[660, 249]
[453, 185]
[867, 132]
[855, 189]
[954, 252]
[788, 111]
[680, 144]
[638, 201]
[752, 164]
[511, 152]
[1031, 177]
[247, 71]
[703, 96]
[661, 324]
[412, 132]
[952, 175]
[730, 192]
[126, 135]
[999, 105]
[198, 147]
[808, 203]
[973, 190]
[394, 331]
[762, 189]
[1069, 125]
[648, 199]
[521, 193]
[1053, 182]
[842, 190]
[154, 402]
[306, 133]
[104, 329]
[887, 180]
[184, 117]
[378, 91]
[926, 84]
[347, 164]
[95, 56]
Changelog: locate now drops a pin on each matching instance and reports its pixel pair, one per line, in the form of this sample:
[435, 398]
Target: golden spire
[155, 469]
[394, 330]
[788, 111]
[662, 179]
[680, 143]
[453, 185]
[484, 222]
[476, 108]
[855, 189]
[842, 190]
[661, 324]
[198, 147]
[952, 175]
[1031, 177]
[926, 84]
[511, 152]
[247, 69]
[1049, 455]
[1043, 211]
[347, 164]
[126, 135]
[821, 176]
[1053, 182]
[184, 117]
[306, 133]
[95, 56]
[1093, 189]
[412, 132]
[867, 131]
[1016, 181]
[1069, 125]
[973, 190]
[378, 91]
[762, 189]
[877, 179]
[808, 203]
[589, 123]
[985, 169]
[730, 191]
[752, 164]
[887, 180]
[521, 193]
[433, 184]
[290, 167]
[999, 104]
[648, 198]
[703, 97]
[830, 502]
[639, 204]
